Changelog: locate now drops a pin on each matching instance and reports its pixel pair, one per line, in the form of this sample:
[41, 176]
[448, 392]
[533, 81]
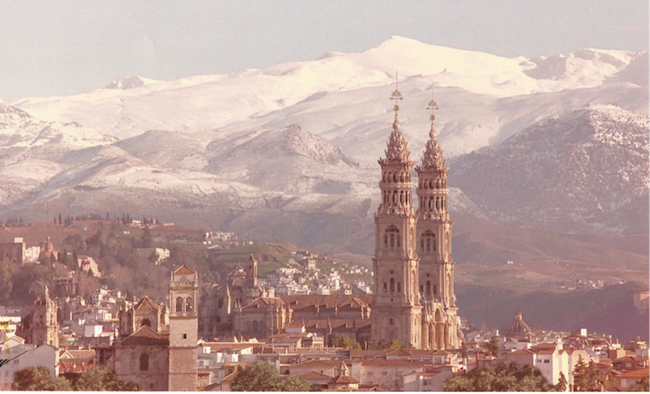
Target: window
[179, 304]
[385, 287]
[392, 285]
[145, 322]
[391, 237]
[390, 322]
[220, 303]
[144, 362]
[399, 287]
[184, 336]
[189, 305]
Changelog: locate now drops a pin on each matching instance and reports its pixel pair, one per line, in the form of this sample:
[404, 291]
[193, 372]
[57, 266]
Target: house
[26, 356]
[628, 379]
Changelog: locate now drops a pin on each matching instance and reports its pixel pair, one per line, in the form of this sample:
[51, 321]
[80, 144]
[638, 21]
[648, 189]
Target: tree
[147, 239]
[102, 378]
[506, 377]
[584, 375]
[561, 383]
[392, 344]
[493, 345]
[39, 379]
[264, 377]
[6, 280]
[343, 341]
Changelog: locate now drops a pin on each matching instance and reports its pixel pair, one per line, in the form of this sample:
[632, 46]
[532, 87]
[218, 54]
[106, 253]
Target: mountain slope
[568, 173]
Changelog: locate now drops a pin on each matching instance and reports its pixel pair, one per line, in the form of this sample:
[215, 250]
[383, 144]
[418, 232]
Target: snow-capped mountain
[299, 141]
[568, 173]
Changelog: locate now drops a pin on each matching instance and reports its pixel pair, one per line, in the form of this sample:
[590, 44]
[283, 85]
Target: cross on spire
[396, 96]
[432, 106]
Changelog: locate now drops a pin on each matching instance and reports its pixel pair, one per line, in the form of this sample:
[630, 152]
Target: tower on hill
[183, 328]
[436, 273]
[396, 313]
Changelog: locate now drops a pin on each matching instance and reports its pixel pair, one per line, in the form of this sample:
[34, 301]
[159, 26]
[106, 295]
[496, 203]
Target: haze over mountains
[289, 152]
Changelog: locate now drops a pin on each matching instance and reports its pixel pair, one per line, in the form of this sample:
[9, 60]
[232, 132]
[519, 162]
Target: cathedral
[414, 298]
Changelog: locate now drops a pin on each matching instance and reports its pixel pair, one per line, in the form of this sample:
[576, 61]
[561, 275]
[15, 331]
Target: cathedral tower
[45, 328]
[396, 312]
[436, 274]
[183, 329]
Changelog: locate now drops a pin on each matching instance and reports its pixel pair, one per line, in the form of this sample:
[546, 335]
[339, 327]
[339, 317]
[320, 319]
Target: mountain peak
[130, 82]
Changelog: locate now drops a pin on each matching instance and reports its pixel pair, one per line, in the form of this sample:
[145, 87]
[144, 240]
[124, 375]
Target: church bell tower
[396, 313]
[433, 239]
[183, 329]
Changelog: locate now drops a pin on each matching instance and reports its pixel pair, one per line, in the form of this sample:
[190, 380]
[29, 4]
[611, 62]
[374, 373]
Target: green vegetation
[584, 376]
[493, 345]
[39, 379]
[506, 377]
[392, 344]
[264, 377]
[96, 379]
[343, 341]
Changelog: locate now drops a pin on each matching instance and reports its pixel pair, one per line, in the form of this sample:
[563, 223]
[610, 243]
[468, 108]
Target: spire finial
[432, 106]
[396, 96]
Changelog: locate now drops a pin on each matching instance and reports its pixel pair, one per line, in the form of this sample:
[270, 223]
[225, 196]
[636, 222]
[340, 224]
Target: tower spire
[432, 106]
[396, 96]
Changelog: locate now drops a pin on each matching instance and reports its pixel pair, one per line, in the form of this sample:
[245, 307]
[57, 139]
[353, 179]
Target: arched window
[428, 241]
[391, 237]
[395, 177]
[435, 289]
[179, 304]
[399, 287]
[392, 285]
[144, 362]
[401, 177]
[189, 304]
[385, 287]
[220, 303]
[389, 176]
[428, 287]
[146, 322]
[390, 321]
[431, 184]
[255, 325]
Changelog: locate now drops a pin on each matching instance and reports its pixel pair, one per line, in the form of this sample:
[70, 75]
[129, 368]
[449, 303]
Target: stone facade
[183, 330]
[41, 326]
[414, 298]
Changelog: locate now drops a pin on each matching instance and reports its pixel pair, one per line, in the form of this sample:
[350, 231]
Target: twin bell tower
[414, 298]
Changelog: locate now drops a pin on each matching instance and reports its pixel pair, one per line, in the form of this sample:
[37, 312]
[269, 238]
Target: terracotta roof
[313, 375]
[337, 323]
[78, 354]
[321, 363]
[184, 270]
[263, 302]
[71, 367]
[395, 363]
[230, 377]
[640, 373]
[326, 301]
[145, 336]
[344, 380]
[146, 303]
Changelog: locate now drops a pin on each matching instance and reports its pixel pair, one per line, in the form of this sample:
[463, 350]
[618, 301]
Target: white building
[25, 356]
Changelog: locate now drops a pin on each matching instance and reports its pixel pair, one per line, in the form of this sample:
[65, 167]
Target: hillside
[607, 310]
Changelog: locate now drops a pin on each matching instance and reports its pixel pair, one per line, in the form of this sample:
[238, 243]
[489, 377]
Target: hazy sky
[65, 47]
